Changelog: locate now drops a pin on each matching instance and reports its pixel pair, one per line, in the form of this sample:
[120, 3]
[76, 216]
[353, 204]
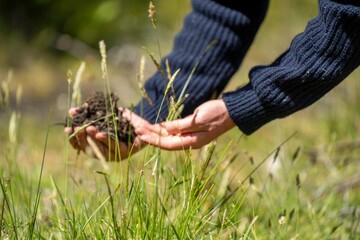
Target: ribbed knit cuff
[246, 109]
[318, 60]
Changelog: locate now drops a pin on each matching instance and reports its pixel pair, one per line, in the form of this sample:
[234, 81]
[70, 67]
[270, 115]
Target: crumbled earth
[93, 112]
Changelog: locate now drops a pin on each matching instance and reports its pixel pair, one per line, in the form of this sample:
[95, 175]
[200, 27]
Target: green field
[296, 178]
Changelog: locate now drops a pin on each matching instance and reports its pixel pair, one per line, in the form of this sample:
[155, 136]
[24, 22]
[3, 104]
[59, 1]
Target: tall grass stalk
[76, 94]
[112, 206]
[69, 223]
[68, 124]
[6, 201]
[152, 16]
[107, 92]
[5, 90]
[38, 191]
[95, 212]
[141, 79]
[168, 87]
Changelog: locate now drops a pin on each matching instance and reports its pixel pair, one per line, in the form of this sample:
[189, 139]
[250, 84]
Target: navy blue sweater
[317, 60]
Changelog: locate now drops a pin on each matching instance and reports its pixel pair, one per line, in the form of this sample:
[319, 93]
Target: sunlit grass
[239, 187]
[266, 186]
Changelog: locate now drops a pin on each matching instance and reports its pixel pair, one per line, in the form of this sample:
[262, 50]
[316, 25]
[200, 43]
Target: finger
[120, 150]
[132, 117]
[104, 138]
[151, 128]
[73, 111]
[73, 142]
[141, 126]
[184, 125]
[177, 142]
[102, 151]
[96, 149]
[68, 131]
[81, 138]
[91, 130]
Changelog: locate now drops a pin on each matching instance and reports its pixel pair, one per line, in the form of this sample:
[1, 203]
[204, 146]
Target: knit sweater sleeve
[318, 59]
[231, 26]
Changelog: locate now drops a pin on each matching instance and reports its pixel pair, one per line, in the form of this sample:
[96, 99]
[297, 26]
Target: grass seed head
[251, 159]
[282, 220]
[291, 214]
[19, 92]
[5, 90]
[69, 76]
[140, 78]
[156, 63]
[298, 183]
[102, 47]
[76, 95]
[251, 180]
[282, 217]
[13, 126]
[152, 14]
[296, 153]
[168, 69]
[276, 154]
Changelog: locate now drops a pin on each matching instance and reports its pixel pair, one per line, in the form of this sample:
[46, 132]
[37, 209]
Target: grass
[272, 185]
[286, 189]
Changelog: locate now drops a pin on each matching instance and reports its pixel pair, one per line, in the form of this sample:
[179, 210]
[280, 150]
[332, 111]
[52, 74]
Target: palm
[208, 121]
[98, 144]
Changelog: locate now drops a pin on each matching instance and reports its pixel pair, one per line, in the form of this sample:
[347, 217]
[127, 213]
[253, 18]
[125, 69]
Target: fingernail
[101, 135]
[73, 111]
[91, 130]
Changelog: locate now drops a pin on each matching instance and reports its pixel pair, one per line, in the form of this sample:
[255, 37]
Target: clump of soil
[93, 112]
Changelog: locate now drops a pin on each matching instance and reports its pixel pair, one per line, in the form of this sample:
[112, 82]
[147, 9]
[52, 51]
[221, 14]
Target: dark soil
[93, 112]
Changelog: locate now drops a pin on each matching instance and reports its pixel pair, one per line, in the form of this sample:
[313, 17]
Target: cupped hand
[84, 139]
[209, 121]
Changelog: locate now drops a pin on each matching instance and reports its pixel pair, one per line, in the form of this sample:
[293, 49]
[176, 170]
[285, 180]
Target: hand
[84, 138]
[209, 120]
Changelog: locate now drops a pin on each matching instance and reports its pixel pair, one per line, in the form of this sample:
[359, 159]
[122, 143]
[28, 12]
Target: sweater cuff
[246, 109]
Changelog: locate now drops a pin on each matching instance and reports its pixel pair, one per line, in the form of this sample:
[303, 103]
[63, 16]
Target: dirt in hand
[93, 112]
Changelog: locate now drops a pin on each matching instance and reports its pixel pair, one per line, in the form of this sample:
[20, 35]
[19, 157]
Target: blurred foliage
[42, 22]
[40, 40]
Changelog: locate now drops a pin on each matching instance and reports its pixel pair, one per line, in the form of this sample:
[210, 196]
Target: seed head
[69, 76]
[152, 13]
[102, 47]
[298, 183]
[282, 220]
[282, 217]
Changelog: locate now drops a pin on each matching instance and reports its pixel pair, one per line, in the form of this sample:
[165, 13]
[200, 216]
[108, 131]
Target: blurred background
[41, 40]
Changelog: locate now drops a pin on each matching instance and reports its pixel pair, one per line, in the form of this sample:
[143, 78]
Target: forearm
[317, 60]
[232, 25]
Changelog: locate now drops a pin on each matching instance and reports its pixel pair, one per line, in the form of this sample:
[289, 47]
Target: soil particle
[94, 112]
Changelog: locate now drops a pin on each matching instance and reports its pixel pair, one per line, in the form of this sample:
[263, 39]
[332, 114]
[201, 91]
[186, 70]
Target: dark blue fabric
[317, 60]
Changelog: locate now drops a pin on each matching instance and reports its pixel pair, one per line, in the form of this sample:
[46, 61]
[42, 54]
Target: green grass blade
[38, 192]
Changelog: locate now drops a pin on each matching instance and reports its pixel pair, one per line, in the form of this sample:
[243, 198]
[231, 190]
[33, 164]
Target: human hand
[209, 120]
[85, 138]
